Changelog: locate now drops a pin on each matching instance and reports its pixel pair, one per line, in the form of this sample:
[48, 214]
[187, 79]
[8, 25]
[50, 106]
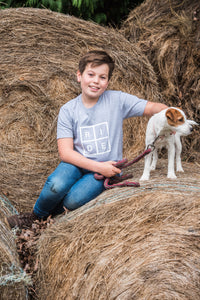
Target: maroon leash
[116, 181]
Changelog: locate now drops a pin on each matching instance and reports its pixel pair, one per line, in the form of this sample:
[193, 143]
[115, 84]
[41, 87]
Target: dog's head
[177, 120]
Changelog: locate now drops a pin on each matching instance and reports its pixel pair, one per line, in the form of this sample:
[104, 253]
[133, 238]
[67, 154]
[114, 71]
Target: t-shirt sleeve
[132, 106]
[64, 124]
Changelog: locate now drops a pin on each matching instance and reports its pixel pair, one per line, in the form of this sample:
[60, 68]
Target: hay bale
[6, 208]
[13, 280]
[137, 243]
[39, 58]
[168, 32]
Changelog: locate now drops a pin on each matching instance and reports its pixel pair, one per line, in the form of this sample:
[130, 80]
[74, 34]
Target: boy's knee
[73, 202]
[71, 206]
[55, 184]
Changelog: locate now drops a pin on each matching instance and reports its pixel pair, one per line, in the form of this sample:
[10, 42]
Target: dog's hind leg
[171, 158]
[178, 146]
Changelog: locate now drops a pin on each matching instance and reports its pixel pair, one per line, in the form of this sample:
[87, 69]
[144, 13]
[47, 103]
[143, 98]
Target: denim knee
[56, 188]
[56, 184]
[61, 180]
[85, 190]
[74, 201]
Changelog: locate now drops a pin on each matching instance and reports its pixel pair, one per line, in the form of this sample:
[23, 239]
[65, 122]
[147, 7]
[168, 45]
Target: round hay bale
[6, 208]
[137, 243]
[13, 280]
[39, 58]
[168, 32]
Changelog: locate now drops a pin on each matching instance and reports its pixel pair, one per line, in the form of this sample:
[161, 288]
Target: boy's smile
[94, 81]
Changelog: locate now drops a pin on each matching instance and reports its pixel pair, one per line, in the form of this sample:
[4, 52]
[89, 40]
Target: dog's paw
[171, 176]
[144, 178]
[179, 169]
[153, 167]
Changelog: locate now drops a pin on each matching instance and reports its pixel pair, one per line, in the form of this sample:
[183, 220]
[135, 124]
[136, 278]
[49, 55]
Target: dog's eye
[169, 117]
[181, 119]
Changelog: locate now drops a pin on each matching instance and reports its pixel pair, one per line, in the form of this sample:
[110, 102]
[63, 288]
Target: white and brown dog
[164, 129]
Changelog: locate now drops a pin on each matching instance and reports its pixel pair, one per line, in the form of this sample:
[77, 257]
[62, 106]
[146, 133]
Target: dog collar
[152, 146]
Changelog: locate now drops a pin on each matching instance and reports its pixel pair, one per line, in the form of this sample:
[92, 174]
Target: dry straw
[39, 58]
[13, 280]
[136, 243]
[168, 32]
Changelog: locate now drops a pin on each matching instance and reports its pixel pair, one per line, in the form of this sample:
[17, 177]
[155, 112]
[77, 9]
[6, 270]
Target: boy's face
[94, 81]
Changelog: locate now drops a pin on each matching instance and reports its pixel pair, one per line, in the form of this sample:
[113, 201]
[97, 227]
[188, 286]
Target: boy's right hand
[108, 169]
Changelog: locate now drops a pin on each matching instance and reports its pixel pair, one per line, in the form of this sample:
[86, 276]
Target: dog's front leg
[154, 160]
[171, 157]
[178, 146]
[147, 167]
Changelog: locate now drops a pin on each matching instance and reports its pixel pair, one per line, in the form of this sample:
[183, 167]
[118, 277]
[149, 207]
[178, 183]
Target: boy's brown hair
[97, 58]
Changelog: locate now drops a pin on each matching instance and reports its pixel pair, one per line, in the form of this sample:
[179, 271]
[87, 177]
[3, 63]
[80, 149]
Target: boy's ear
[78, 75]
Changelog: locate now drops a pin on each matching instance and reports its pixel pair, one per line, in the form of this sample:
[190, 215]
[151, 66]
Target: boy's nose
[96, 79]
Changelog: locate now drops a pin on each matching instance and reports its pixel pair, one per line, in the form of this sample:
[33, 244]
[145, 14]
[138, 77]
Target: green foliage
[32, 3]
[90, 9]
[55, 5]
[10, 3]
[100, 18]
[100, 11]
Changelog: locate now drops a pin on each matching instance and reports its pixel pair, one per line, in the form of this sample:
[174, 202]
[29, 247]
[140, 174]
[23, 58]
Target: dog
[165, 129]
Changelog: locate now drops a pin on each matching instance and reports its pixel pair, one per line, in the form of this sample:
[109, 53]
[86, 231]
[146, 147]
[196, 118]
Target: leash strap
[118, 181]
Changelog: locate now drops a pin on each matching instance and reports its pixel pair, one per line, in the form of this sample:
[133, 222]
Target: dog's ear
[169, 114]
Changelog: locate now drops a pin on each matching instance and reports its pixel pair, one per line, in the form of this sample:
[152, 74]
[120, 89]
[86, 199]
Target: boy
[89, 137]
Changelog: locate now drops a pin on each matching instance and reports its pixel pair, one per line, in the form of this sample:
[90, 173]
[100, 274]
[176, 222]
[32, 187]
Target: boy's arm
[69, 155]
[153, 108]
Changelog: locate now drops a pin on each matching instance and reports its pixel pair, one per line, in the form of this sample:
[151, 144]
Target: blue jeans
[67, 186]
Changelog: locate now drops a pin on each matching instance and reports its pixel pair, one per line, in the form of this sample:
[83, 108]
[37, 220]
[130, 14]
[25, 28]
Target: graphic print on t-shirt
[95, 139]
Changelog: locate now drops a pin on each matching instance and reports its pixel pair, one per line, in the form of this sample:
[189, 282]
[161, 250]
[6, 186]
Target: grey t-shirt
[97, 132]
